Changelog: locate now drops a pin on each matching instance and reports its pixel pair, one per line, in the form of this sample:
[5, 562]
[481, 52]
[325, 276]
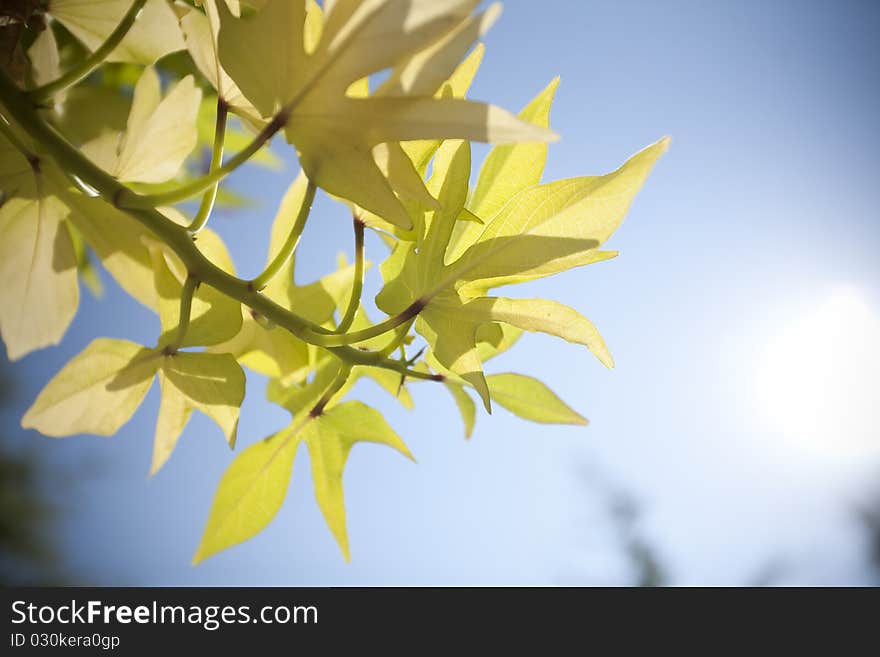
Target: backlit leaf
[160, 134]
[334, 133]
[506, 171]
[465, 405]
[96, 392]
[543, 230]
[531, 400]
[154, 34]
[39, 292]
[330, 438]
[210, 383]
[250, 493]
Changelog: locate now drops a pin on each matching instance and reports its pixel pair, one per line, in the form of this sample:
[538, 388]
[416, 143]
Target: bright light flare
[818, 380]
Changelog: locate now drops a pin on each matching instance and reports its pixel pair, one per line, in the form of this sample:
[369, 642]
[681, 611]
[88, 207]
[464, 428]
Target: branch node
[278, 122]
[414, 309]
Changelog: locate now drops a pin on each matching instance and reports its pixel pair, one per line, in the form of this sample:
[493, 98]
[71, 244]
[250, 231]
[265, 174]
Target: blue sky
[755, 237]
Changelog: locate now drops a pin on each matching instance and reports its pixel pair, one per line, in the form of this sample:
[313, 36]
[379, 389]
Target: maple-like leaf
[335, 133]
[160, 133]
[253, 488]
[153, 35]
[200, 31]
[543, 230]
[40, 293]
[114, 376]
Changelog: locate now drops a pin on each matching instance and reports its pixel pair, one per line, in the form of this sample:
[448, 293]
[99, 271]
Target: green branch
[180, 241]
[357, 285]
[186, 299]
[7, 131]
[289, 247]
[340, 380]
[93, 61]
[207, 205]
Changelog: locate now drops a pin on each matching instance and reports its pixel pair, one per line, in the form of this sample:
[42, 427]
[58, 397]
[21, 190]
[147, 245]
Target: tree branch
[180, 241]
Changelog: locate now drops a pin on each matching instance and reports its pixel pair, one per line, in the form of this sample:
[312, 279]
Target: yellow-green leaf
[39, 291]
[330, 438]
[160, 134]
[154, 34]
[252, 490]
[531, 400]
[45, 62]
[269, 350]
[510, 168]
[465, 405]
[211, 383]
[250, 493]
[200, 32]
[553, 227]
[96, 392]
[335, 133]
[118, 240]
[506, 171]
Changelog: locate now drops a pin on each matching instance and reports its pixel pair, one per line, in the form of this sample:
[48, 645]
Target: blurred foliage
[644, 561]
[28, 550]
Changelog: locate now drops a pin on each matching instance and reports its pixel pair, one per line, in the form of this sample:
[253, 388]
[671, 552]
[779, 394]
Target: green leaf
[494, 339]
[39, 293]
[211, 383]
[539, 316]
[16, 175]
[330, 438]
[90, 110]
[506, 171]
[253, 488]
[118, 240]
[299, 398]
[250, 493]
[543, 230]
[96, 392]
[269, 350]
[154, 34]
[45, 62]
[85, 267]
[420, 152]
[160, 133]
[426, 71]
[553, 227]
[531, 400]
[466, 406]
[200, 32]
[335, 133]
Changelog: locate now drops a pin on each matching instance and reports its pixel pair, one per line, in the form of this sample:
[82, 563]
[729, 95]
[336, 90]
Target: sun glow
[818, 379]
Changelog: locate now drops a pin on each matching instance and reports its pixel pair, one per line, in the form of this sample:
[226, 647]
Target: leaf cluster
[122, 116]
